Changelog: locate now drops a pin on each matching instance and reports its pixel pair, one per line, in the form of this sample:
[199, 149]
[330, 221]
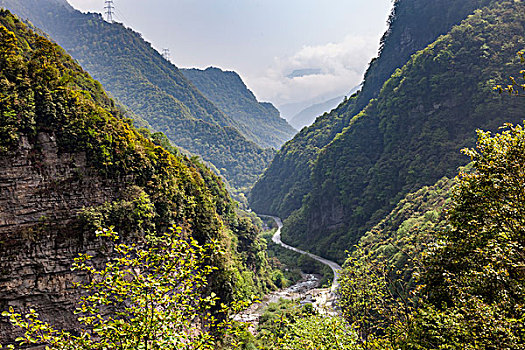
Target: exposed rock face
[41, 192]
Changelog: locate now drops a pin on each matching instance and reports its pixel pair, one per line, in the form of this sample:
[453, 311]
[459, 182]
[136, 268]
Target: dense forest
[284, 185]
[228, 92]
[151, 87]
[127, 182]
[447, 279]
[407, 137]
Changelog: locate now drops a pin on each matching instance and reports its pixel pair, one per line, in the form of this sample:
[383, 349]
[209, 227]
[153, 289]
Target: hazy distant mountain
[228, 92]
[307, 116]
[290, 110]
[298, 73]
[153, 88]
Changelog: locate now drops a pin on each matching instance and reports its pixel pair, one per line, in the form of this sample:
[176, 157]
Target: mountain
[307, 116]
[299, 73]
[71, 163]
[228, 92]
[348, 170]
[283, 186]
[137, 75]
[288, 110]
[402, 235]
[445, 268]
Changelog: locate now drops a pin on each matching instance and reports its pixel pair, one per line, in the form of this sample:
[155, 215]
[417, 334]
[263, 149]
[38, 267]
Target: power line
[121, 16]
[109, 10]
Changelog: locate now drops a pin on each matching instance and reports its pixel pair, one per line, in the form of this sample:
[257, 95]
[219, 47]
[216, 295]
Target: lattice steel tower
[109, 10]
[166, 54]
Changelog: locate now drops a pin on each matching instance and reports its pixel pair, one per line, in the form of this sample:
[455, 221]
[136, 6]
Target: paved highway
[336, 268]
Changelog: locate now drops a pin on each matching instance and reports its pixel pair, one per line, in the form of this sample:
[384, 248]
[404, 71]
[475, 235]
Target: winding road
[323, 299]
[336, 268]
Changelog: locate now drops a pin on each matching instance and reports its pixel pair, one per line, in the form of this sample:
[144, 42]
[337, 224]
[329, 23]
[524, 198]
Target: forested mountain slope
[228, 92]
[429, 278]
[412, 133]
[412, 26]
[137, 75]
[402, 236]
[71, 164]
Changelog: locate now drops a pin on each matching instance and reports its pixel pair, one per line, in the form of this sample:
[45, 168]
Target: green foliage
[474, 280]
[286, 325]
[228, 92]
[153, 88]
[318, 333]
[377, 303]
[133, 214]
[413, 25]
[399, 240]
[380, 277]
[514, 87]
[148, 188]
[410, 135]
[148, 295]
[462, 287]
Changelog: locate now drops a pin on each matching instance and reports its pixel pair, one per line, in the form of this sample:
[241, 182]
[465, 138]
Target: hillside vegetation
[228, 92]
[433, 259]
[430, 278]
[153, 88]
[142, 188]
[413, 25]
[411, 134]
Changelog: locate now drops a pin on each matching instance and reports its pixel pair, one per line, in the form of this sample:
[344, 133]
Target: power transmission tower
[109, 10]
[166, 54]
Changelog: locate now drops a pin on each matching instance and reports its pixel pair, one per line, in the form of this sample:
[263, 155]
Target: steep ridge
[413, 25]
[402, 236]
[228, 92]
[71, 163]
[307, 116]
[412, 133]
[137, 75]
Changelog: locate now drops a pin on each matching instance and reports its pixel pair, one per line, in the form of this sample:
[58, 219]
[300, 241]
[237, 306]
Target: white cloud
[341, 65]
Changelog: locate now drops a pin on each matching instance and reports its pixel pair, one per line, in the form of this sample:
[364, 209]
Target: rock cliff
[41, 192]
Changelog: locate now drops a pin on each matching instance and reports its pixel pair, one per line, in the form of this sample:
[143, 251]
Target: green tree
[318, 332]
[146, 296]
[289, 326]
[376, 301]
[515, 85]
[475, 275]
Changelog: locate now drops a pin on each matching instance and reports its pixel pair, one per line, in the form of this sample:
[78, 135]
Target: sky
[264, 41]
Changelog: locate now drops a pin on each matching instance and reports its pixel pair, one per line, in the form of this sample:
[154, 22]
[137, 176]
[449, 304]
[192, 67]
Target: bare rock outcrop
[42, 190]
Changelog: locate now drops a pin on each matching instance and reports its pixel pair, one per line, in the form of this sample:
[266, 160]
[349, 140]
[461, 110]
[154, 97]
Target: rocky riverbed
[305, 291]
